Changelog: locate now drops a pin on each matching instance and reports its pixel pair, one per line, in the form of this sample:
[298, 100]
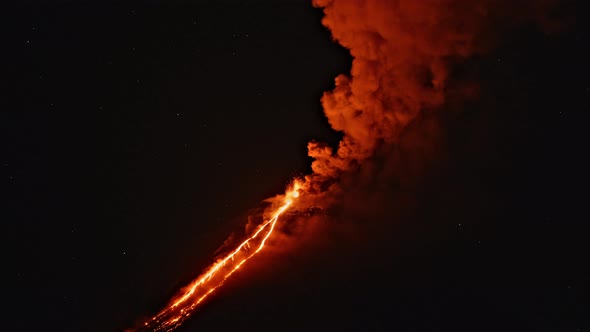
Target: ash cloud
[404, 52]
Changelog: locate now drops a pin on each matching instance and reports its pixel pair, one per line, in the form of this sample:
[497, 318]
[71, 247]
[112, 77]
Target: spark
[173, 315]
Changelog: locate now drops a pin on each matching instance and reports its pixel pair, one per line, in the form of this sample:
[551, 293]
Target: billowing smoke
[404, 53]
[401, 50]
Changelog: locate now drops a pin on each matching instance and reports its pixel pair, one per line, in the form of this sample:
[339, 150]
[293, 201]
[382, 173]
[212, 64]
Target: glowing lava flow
[179, 310]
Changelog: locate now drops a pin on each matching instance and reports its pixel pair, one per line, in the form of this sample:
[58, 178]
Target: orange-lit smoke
[404, 52]
[401, 52]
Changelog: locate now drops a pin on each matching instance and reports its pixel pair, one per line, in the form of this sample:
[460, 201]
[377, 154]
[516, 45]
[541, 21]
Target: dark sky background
[137, 135]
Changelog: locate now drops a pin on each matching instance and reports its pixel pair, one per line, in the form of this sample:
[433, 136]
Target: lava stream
[187, 300]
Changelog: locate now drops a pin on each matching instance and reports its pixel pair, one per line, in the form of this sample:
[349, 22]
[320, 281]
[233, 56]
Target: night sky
[137, 135]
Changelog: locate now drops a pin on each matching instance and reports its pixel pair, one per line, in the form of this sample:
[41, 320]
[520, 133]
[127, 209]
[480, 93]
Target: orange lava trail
[173, 315]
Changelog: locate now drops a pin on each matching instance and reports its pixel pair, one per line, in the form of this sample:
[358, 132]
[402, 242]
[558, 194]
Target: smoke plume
[404, 53]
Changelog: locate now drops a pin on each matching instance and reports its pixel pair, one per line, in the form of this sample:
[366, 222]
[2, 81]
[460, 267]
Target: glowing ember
[189, 298]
